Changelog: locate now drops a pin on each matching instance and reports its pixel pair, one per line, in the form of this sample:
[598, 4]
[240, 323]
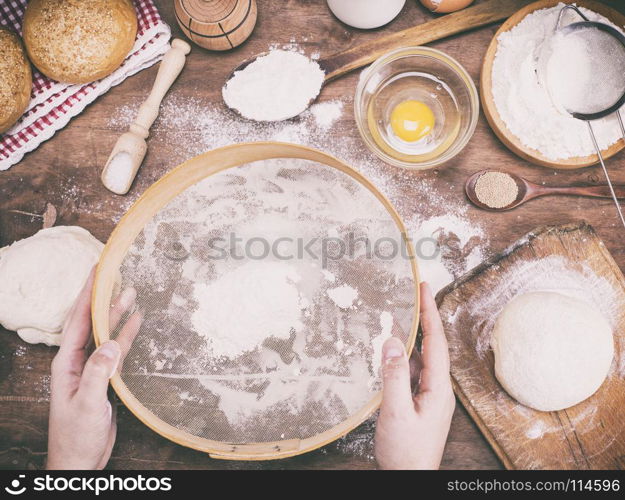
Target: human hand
[82, 426]
[412, 427]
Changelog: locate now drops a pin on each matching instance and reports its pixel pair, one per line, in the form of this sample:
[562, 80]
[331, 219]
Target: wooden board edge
[491, 261]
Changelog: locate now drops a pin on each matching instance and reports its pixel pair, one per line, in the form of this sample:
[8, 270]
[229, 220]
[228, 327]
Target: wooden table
[65, 172]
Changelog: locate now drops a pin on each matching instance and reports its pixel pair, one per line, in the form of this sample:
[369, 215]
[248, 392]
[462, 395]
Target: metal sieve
[606, 79]
[269, 275]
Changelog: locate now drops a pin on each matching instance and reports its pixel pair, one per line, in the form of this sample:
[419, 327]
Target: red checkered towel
[53, 104]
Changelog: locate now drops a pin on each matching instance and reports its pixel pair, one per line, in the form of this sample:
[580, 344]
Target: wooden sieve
[207, 167]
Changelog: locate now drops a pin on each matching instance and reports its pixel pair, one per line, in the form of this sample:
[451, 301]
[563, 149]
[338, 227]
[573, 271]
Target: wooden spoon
[348, 60]
[528, 191]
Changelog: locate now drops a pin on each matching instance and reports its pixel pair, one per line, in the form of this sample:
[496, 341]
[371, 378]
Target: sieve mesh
[247, 341]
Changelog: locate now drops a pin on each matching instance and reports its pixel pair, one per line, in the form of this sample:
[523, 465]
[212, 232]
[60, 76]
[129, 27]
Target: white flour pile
[522, 96]
[263, 298]
[594, 61]
[343, 296]
[277, 86]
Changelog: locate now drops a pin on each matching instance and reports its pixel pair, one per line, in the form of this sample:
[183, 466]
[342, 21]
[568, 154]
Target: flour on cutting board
[446, 246]
[551, 273]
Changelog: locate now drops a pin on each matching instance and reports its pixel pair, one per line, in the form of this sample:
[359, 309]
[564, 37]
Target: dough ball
[15, 79]
[79, 41]
[551, 351]
[40, 278]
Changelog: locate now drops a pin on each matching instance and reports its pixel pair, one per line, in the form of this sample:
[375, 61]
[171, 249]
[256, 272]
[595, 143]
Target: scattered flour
[263, 298]
[386, 323]
[326, 113]
[328, 275]
[275, 87]
[553, 274]
[343, 296]
[469, 323]
[429, 205]
[265, 343]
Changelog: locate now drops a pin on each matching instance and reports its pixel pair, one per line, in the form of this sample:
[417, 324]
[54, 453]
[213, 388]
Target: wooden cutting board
[570, 259]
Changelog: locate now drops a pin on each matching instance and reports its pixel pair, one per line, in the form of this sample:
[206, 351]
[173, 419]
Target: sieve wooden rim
[488, 101]
[133, 222]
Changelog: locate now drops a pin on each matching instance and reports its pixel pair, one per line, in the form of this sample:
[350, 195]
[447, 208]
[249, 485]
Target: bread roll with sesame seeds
[15, 79]
[79, 41]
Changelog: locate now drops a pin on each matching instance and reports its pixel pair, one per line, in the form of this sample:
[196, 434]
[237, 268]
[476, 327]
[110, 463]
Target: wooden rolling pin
[129, 150]
[488, 12]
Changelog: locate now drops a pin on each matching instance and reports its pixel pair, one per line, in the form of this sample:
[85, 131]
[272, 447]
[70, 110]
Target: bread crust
[15, 79]
[79, 41]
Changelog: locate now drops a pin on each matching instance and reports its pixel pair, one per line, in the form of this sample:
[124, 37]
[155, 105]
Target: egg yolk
[412, 120]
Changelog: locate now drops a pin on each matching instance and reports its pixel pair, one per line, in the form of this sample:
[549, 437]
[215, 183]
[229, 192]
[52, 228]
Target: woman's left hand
[82, 425]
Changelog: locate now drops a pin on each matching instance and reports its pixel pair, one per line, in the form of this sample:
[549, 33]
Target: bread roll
[15, 79]
[79, 41]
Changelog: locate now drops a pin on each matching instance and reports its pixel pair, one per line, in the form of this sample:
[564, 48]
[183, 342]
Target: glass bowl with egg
[416, 107]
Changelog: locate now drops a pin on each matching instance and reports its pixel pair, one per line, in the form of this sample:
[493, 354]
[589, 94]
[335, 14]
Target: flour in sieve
[326, 113]
[267, 337]
[343, 296]
[263, 299]
[523, 101]
[447, 246]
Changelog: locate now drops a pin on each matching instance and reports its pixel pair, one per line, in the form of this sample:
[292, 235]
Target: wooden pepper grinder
[216, 24]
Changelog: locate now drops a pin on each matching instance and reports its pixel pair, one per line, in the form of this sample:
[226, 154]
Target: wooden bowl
[216, 24]
[142, 212]
[488, 102]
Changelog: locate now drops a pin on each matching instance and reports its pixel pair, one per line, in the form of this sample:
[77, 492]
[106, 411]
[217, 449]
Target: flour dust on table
[453, 240]
[450, 239]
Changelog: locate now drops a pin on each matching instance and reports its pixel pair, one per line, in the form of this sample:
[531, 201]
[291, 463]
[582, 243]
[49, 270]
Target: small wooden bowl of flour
[515, 115]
